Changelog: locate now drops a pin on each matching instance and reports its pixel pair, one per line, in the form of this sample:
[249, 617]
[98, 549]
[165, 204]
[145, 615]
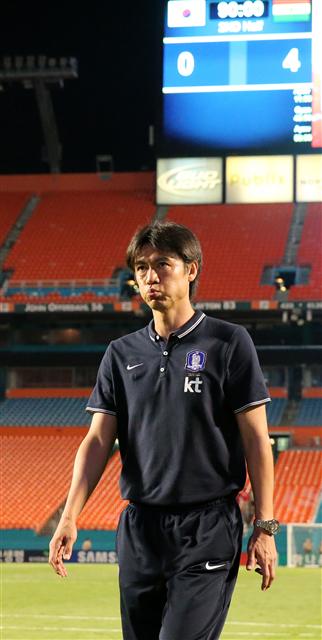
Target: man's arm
[258, 452]
[90, 462]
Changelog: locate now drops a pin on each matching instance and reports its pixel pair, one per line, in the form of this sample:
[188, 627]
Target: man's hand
[61, 546]
[261, 551]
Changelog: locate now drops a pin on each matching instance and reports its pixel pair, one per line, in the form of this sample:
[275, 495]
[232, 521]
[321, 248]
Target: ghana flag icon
[291, 10]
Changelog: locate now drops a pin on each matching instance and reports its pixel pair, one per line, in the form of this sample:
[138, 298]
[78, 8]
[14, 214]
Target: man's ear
[192, 270]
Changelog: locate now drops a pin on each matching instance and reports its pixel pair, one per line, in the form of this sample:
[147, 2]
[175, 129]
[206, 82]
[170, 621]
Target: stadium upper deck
[73, 240]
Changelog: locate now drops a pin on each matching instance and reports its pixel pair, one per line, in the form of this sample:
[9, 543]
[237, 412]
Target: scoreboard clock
[247, 9]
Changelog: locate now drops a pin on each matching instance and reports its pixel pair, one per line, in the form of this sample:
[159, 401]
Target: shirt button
[165, 353]
[162, 369]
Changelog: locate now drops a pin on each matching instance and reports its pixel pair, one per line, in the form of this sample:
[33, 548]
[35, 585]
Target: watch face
[274, 526]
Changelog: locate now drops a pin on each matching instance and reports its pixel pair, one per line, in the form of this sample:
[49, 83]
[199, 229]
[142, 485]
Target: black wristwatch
[271, 526]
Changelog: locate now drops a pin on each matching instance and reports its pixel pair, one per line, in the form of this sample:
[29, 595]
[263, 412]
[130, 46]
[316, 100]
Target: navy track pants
[178, 568]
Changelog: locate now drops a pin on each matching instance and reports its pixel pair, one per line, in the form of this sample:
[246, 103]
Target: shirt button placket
[163, 366]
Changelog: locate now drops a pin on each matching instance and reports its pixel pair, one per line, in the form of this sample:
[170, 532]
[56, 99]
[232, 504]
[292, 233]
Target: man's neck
[171, 320]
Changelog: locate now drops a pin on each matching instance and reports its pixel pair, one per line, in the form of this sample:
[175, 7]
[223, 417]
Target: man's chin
[156, 304]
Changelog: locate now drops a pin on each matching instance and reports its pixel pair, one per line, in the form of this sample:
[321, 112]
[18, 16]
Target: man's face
[163, 278]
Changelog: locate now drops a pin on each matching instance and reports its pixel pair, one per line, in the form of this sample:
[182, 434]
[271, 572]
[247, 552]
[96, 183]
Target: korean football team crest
[195, 361]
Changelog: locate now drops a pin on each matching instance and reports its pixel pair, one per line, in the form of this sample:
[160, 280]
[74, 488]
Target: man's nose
[151, 276]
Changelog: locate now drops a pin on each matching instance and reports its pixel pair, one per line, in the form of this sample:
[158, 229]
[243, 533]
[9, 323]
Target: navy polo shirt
[175, 404]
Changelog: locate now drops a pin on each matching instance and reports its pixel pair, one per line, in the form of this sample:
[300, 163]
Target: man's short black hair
[167, 236]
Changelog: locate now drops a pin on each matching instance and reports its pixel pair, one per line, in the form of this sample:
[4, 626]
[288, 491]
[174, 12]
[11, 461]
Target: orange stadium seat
[79, 235]
[298, 483]
[36, 469]
[103, 509]
[238, 241]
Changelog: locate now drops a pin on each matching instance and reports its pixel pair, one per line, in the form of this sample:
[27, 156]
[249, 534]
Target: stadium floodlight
[31, 67]
[37, 72]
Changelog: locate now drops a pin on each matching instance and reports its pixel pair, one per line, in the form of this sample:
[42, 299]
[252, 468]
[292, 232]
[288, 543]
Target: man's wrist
[270, 526]
[67, 517]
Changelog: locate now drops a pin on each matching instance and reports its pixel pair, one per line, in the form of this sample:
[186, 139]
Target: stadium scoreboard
[241, 77]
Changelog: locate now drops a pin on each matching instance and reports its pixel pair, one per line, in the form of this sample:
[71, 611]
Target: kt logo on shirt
[192, 385]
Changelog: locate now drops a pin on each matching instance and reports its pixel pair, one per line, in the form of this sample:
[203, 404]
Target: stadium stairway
[12, 208]
[309, 253]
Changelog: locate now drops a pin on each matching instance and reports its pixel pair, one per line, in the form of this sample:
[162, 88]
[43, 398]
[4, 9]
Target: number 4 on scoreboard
[292, 60]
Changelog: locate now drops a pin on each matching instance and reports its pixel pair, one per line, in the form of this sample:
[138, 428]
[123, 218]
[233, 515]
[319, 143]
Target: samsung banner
[259, 179]
[189, 181]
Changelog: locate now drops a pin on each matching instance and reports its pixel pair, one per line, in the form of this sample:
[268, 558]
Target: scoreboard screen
[241, 77]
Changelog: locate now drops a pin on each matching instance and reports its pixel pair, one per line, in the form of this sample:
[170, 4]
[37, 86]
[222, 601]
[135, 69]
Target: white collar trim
[181, 335]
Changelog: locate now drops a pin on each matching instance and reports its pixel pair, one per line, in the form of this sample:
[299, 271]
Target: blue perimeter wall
[27, 539]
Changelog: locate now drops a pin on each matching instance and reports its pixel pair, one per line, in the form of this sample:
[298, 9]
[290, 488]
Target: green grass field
[37, 605]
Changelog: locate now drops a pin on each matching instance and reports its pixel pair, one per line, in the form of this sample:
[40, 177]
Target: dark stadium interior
[109, 109]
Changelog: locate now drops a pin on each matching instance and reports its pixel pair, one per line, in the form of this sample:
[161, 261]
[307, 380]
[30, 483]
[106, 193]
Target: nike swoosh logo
[133, 366]
[210, 567]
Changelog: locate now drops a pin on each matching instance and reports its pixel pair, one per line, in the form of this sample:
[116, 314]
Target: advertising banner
[189, 181]
[251, 179]
[38, 556]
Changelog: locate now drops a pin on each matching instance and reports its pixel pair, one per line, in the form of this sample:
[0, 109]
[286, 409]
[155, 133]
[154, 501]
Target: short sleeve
[245, 386]
[102, 399]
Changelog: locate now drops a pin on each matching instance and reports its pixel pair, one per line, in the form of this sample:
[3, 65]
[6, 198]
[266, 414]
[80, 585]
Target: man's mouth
[153, 293]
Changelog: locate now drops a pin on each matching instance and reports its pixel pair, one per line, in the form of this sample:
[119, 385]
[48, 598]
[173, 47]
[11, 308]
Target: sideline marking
[78, 629]
[61, 617]
[105, 618]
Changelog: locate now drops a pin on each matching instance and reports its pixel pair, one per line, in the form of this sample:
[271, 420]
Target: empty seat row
[309, 412]
[60, 411]
[44, 411]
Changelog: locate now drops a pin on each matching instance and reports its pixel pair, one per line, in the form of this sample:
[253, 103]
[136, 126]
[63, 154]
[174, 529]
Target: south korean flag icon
[195, 361]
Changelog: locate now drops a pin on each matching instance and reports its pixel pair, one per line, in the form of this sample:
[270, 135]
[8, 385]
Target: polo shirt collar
[182, 331]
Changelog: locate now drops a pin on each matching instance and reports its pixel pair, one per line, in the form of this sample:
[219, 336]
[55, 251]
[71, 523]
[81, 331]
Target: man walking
[186, 398]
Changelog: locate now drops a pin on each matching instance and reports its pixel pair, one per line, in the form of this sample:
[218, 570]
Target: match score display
[241, 76]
